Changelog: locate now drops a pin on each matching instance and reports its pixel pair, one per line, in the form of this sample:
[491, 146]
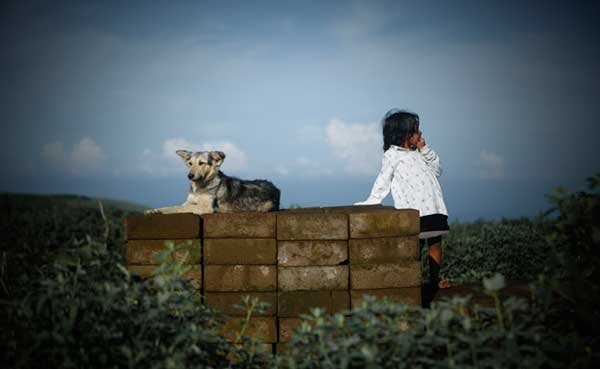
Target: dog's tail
[276, 197]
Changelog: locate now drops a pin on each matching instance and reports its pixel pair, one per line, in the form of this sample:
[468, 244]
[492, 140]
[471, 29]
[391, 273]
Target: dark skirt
[434, 225]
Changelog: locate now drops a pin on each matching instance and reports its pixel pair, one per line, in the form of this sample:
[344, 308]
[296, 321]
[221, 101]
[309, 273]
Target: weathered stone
[240, 251]
[408, 296]
[262, 329]
[313, 278]
[294, 303]
[393, 223]
[338, 209]
[287, 326]
[162, 226]
[225, 301]
[388, 275]
[381, 250]
[194, 274]
[301, 253]
[144, 252]
[222, 278]
[312, 226]
[239, 225]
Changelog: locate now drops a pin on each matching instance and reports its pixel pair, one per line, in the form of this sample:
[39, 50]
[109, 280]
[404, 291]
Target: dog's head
[203, 165]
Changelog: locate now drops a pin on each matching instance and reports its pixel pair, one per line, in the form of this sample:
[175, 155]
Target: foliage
[81, 308]
[577, 230]
[452, 334]
[516, 248]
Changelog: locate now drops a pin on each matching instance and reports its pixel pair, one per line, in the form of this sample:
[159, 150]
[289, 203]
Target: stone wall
[292, 259]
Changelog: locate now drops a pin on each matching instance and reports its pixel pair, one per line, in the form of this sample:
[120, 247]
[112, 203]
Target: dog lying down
[211, 191]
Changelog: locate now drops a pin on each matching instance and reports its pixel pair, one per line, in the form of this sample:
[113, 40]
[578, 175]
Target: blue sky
[96, 96]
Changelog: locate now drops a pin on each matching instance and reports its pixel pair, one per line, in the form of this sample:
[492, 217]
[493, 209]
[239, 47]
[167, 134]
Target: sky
[95, 97]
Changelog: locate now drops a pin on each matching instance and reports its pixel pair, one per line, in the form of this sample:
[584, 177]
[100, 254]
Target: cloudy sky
[95, 97]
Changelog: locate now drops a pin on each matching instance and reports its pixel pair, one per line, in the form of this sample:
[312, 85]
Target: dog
[211, 191]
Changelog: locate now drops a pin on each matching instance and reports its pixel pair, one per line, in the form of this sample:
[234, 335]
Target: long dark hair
[398, 126]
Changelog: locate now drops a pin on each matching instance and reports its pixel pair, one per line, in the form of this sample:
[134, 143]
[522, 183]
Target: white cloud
[490, 165]
[358, 145]
[168, 163]
[282, 170]
[85, 157]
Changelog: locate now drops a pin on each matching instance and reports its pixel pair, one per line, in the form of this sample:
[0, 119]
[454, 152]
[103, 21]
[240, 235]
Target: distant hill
[17, 200]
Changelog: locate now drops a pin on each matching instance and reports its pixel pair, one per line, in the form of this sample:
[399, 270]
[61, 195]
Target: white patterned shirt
[412, 177]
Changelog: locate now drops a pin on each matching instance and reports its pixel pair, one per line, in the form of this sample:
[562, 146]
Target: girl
[411, 169]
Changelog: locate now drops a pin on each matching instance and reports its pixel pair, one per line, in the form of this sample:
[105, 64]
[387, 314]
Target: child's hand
[421, 142]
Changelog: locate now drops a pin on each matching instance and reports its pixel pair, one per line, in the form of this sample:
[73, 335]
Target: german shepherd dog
[211, 191]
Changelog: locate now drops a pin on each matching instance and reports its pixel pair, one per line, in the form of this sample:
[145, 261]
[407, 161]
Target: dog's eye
[200, 163]
[190, 163]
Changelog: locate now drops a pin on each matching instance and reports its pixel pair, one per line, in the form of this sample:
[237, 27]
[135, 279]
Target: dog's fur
[211, 191]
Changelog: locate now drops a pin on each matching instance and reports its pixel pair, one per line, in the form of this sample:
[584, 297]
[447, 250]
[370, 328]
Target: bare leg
[435, 252]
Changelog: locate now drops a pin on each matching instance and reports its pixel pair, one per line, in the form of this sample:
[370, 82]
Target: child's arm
[382, 184]
[431, 159]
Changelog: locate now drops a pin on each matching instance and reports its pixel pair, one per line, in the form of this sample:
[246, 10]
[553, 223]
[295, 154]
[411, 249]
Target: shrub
[452, 334]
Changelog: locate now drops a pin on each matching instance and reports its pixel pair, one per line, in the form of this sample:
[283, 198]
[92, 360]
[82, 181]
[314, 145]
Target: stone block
[261, 328]
[223, 278]
[194, 274]
[388, 275]
[239, 225]
[312, 278]
[240, 251]
[144, 252]
[386, 249]
[225, 301]
[312, 226]
[408, 296]
[294, 303]
[393, 223]
[163, 226]
[303, 253]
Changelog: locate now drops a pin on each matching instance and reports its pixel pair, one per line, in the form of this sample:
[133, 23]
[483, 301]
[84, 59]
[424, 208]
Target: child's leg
[435, 259]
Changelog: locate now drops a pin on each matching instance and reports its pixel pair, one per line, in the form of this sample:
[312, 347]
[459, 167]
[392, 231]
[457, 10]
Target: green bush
[518, 249]
[452, 334]
[86, 311]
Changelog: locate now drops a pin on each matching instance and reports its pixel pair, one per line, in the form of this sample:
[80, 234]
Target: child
[411, 169]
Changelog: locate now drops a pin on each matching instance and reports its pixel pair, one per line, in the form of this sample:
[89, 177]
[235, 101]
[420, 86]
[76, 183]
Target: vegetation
[67, 300]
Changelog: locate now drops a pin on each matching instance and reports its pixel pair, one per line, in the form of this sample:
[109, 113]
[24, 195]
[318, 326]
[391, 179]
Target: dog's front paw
[152, 212]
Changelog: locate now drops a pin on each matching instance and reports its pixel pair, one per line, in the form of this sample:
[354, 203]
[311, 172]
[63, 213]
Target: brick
[145, 271]
[225, 301]
[144, 252]
[162, 226]
[381, 250]
[223, 278]
[294, 303]
[312, 278]
[338, 209]
[239, 225]
[302, 253]
[287, 326]
[262, 329]
[312, 226]
[240, 251]
[408, 296]
[393, 223]
[388, 275]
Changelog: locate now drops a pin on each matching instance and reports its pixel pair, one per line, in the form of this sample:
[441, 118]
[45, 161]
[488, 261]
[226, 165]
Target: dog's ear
[185, 155]
[217, 157]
